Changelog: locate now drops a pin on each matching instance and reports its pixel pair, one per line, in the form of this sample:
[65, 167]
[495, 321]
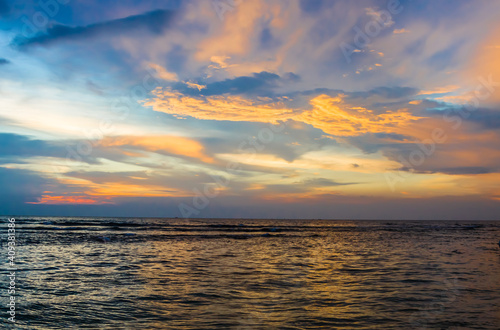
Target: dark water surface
[115, 273]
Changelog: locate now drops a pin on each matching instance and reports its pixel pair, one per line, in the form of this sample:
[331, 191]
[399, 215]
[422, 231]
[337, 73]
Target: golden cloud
[333, 117]
[162, 73]
[330, 114]
[232, 108]
[87, 192]
[399, 31]
[171, 144]
[69, 199]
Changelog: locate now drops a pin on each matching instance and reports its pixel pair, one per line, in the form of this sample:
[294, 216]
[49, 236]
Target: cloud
[487, 118]
[386, 92]
[100, 187]
[330, 114]
[470, 149]
[168, 144]
[328, 206]
[162, 73]
[334, 117]
[69, 199]
[155, 21]
[195, 85]
[103, 194]
[4, 61]
[259, 83]
[97, 188]
[377, 15]
[160, 182]
[439, 90]
[14, 147]
[400, 31]
[235, 36]
[313, 6]
[232, 108]
[232, 78]
[19, 187]
[323, 182]
[463, 170]
[17, 149]
[220, 62]
[484, 68]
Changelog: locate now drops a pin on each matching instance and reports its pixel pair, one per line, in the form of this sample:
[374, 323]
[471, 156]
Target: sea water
[144, 273]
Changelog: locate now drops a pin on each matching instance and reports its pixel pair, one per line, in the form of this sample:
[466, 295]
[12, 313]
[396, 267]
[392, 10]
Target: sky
[242, 109]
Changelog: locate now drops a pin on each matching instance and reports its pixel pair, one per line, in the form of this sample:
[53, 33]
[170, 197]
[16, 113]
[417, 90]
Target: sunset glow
[323, 109]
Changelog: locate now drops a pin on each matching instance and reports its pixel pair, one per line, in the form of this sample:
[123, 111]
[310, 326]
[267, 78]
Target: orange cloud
[195, 85]
[68, 199]
[92, 193]
[129, 190]
[327, 113]
[440, 90]
[333, 117]
[176, 145]
[236, 37]
[232, 108]
[162, 73]
[464, 147]
[399, 31]
[484, 68]
[219, 62]
[237, 33]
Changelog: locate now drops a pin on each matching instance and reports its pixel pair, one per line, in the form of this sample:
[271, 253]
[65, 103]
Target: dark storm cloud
[155, 21]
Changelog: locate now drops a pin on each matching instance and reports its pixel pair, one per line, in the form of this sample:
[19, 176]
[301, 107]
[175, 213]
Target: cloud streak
[155, 22]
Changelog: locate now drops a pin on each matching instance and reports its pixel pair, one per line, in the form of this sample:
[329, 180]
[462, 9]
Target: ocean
[148, 273]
